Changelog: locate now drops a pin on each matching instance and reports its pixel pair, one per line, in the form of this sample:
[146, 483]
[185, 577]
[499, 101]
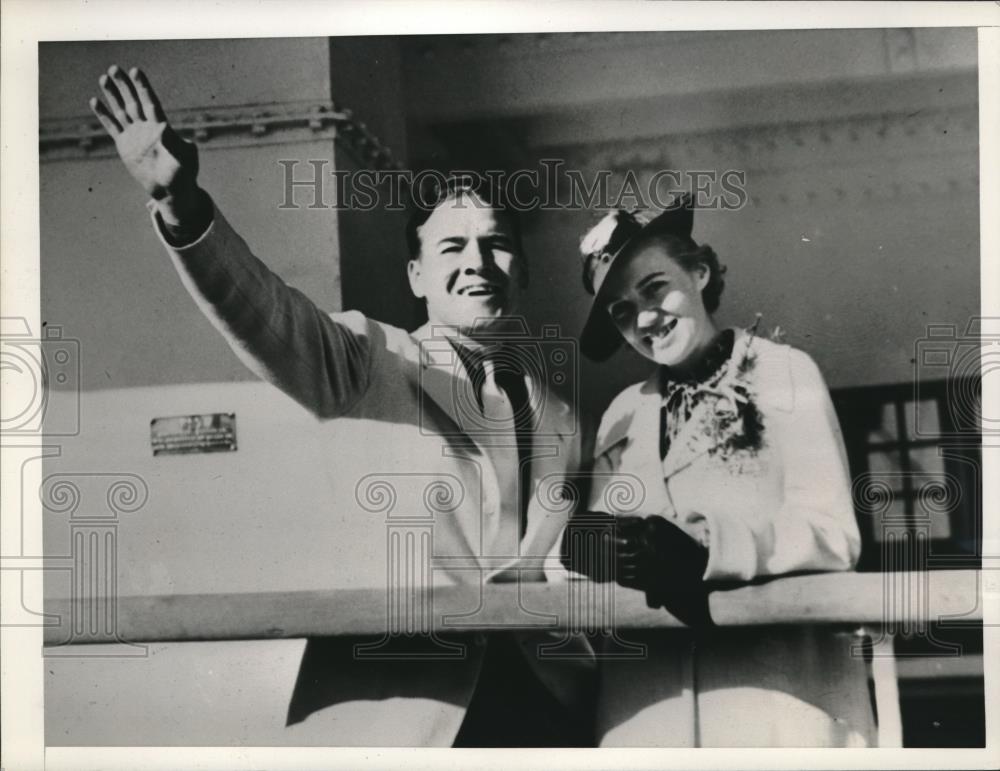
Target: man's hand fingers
[147, 97]
[130, 100]
[105, 117]
[114, 100]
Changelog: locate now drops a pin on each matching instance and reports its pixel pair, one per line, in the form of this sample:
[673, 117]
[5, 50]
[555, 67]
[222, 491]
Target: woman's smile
[660, 337]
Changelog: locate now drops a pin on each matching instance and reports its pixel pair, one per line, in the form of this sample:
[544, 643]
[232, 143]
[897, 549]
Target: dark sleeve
[322, 361]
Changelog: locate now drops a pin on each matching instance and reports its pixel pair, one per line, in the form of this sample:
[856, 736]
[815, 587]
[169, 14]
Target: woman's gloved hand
[645, 553]
[661, 559]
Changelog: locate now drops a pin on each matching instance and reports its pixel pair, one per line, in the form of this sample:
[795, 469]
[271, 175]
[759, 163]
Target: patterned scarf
[733, 421]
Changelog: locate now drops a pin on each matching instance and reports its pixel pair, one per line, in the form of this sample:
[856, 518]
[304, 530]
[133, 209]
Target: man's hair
[433, 193]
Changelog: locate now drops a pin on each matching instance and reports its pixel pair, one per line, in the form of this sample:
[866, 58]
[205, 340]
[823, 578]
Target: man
[398, 412]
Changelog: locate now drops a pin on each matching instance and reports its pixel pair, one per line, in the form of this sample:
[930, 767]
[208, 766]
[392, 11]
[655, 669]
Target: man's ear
[415, 274]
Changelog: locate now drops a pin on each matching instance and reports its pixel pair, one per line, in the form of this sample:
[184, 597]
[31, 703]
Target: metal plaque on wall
[183, 434]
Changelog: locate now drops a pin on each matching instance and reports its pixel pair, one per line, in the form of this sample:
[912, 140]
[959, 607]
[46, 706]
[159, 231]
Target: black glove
[645, 553]
[662, 560]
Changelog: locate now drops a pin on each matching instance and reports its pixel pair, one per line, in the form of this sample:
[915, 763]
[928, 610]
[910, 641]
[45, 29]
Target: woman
[742, 468]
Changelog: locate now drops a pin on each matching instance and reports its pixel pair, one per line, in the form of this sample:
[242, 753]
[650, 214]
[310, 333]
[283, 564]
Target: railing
[880, 604]
[893, 600]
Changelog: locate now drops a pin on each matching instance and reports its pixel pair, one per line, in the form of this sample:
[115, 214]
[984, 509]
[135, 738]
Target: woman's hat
[603, 247]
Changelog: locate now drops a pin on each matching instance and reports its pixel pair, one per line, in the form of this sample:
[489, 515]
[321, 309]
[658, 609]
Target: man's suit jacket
[417, 489]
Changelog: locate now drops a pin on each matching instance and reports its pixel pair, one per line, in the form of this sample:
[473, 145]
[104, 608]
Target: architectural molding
[241, 126]
[794, 144]
[743, 109]
[871, 157]
[533, 73]
[893, 50]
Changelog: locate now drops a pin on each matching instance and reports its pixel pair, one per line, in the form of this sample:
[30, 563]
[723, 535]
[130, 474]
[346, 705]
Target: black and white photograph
[379, 378]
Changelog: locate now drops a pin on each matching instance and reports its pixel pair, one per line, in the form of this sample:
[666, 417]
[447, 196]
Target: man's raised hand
[165, 165]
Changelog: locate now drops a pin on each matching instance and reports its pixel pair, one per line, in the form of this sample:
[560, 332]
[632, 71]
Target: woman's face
[657, 306]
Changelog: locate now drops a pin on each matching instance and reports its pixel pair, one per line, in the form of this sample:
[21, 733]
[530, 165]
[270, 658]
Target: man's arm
[275, 329]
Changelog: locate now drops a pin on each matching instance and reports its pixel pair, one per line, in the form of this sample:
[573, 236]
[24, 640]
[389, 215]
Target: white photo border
[27, 23]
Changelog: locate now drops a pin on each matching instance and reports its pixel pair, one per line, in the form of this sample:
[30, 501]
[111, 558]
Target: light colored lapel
[644, 430]
[553, 450]
[443, 378]
[445, 382]
[690, 444]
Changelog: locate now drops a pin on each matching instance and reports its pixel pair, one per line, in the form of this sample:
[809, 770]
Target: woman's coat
[785, 507]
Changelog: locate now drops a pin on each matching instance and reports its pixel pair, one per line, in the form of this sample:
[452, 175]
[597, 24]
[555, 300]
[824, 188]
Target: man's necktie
[512, 381]
[509, 377]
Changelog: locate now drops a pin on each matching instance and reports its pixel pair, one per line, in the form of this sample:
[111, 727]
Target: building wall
[105, 279]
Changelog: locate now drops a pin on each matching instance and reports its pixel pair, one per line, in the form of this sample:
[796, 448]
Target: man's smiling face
[469, 269]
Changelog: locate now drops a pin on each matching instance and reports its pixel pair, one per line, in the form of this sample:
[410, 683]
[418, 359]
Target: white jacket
[785, 508]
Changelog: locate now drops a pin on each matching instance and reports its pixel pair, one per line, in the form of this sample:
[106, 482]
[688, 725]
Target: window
[915, 468]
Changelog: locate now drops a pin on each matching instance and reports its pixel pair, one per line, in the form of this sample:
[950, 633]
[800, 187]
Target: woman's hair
[689, 256]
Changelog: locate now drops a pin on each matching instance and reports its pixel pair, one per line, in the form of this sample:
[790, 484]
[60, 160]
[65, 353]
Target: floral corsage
[735, 425]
